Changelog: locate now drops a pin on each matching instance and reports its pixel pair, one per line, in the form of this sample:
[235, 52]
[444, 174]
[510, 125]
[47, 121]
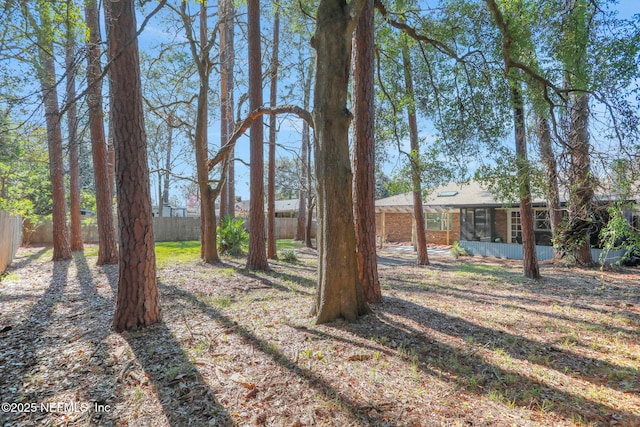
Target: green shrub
[289, 255]
[232, 236]
[457, 250]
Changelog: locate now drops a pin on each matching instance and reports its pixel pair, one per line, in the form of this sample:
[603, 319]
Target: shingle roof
[449, 196]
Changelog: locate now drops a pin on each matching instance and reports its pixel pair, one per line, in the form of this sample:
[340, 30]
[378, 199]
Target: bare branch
[242, 126]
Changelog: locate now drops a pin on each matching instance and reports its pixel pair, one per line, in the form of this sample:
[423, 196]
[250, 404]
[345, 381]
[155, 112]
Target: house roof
[445, 197]
[289, 205]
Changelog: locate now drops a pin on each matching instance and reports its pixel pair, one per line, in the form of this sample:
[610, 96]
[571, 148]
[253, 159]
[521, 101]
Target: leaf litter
[466, 342]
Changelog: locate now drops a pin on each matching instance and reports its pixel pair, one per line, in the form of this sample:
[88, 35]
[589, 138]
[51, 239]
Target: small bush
[232, 236]
[457, 250]
[289, 255]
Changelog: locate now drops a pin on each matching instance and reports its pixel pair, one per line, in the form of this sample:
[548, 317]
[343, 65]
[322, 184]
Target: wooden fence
[165, 229]
[10, 238]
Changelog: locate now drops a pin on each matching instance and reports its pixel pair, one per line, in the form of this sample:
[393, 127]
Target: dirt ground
[462, 342]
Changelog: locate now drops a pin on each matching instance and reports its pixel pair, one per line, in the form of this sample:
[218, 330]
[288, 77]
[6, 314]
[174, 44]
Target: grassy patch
[290, 244]
[171, 252]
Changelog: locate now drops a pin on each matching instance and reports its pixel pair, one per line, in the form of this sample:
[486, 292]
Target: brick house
[458, 212]
[471, 215]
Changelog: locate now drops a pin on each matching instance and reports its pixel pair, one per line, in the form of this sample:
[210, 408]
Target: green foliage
[433, 172]
[232, 236]
[619, 233]
[25, 187]
[457, 250]
[287, 178]
[500, 177]
[289, 255]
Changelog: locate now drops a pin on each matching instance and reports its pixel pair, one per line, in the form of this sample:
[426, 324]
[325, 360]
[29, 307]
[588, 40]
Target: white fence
[10, 238]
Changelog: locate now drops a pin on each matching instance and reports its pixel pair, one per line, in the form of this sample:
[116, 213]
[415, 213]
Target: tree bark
[416, 180]
[581, 196]
[137, 301]
[530, 259]
[200, 55]
[111, 155]
[311, 204]
[76, 241]
[364, 155]
[107, 248]
[551, 171]
[271, 176]
[256, 258]
[47, 77]
[302, 193]
[227, 61]
[305, 167]
[577, 230]
[339, 293]
[167, 168]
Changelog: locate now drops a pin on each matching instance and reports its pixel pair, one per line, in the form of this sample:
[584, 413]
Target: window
[516, 227]
[477, 224]
[447, 193]
[541, 226]
[541, 220]
[436, 221]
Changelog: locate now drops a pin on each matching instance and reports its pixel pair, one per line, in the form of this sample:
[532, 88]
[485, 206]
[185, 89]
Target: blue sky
[289, 134]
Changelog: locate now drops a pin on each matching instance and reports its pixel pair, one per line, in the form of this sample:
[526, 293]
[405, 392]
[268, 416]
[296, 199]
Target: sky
[289, 128]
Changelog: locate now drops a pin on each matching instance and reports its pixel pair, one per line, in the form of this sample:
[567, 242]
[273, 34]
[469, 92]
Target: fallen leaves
[443, 347]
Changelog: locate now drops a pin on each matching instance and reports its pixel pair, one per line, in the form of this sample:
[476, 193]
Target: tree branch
[242, 126]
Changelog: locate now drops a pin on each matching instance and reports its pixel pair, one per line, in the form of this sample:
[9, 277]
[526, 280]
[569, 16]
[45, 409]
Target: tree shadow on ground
[272, 279]
[27, 259]
[184, 395]
[475, 375]
[493, 299]
[516, 346]
[176, 381]
[96, 332]
[32, 337]
[358, 415]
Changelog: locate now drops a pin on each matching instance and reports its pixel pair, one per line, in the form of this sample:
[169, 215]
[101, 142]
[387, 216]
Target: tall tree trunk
[305, 167]
[207, 195]
[159, 194]
[416, 180]
[111, 151]
[167, 168]
[551, 171]
[47, 77]
[271, 176]
[364, 187]
[76, 241]
[256, 258]
[107, 248]
[137, 301]
[311, 204]
[530, 260]
[576, 234]
[578, 228]
[301, 217]
[111, 155]
[227, 61]
[339, 293]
